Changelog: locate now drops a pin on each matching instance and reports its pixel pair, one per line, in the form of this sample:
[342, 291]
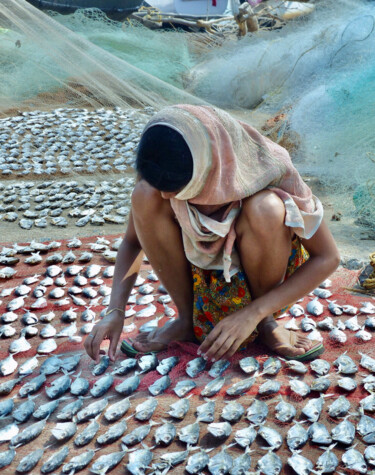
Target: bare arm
[128, 262]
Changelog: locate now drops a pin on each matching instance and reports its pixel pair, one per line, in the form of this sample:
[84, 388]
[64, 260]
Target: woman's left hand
[226, 337]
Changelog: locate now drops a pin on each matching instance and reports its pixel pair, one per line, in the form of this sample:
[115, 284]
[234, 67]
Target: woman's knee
[263, 214]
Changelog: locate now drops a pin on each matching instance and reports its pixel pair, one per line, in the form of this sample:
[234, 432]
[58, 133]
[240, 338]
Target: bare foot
[159, 339]
[282, 341]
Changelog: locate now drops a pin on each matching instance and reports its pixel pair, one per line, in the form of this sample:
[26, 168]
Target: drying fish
[7, 331]
[67, 331]
[74, 243]
[296, 310]
[40, 303]
[148, 362]
[63, 431]
[45, 410]
[363, 335]
[27, 435]
[183, 387]
[344, 432]
[297, 436]
[320, 384]
[22, 290]
[15, 304]
[314, 307]
[9, 317]
[101, 366]
[322, 293]
[130, 312]
[370, 455]
[139, 461]
[39, 291]
[86, 436]
[232, 411]
[138, 434]
[60, 281]
[126, 366]
[59, 386]
[117, 410]
[150, 325]
[308, 324]
[165, 433]
[8, 386]
[56, 293]
[301, 465]
[353, 460]
[326, 284]
[160, 385]
[269, 387]
[29, 461]
[319, 434]
[79, 462]
[70, 410]
[108, 272]
[271, 436]
[219, 429]
[367, 308]
[7, 273]
[206, 412]
[6, 407]
[345, 364]
[189, 434]
[327, 462]
[145, 289]
[349, 309]
[8, 432]
[240, 387]
[164, 299]
[213, 387]
[129, 385]
[326, 324]
[107, 462]
[352, 324]
[313, 409]
[368, 403]
[6, 458]
[257, 412]
[96, 281]
[272, 366]
[8, 366]
[69, 315]
[29, 318]
[284, 412]
[337, 335]
[51, 365]
[165, 365]
[92, 410]
[32, 386]
[24, 410]
[269, 464]
[367, 362]
[198, 462]
[145, 410]
[348, 384]
[245, 437]
[34, 259]
[48, 331]
[113, 433]
[92, 271]
[299, 387]
[53, 271]
[148, 311]
[249, 365]
[48, 317]
[291, 324]
[296, 366]
[220, 463]
[370, 323]
[30, 331]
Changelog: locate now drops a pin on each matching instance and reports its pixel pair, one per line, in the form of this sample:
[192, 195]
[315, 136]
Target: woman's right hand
[109, 327]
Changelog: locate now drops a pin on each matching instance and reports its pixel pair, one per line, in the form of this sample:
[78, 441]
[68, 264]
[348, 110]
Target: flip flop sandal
[129, 350]
[315, 351]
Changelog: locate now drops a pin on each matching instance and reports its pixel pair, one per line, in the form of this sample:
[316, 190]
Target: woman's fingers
[208, 342]
[220, 347]
[113, 345]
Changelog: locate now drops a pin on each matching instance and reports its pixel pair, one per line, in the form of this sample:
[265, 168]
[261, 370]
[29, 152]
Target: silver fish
[125, 367]
[257, 412]
[6, 458]
[367, 362]
[179, 409]
[296, 310]
[128, 386]
[314, 307]
[45, 410]
[160, 385]
[272, 366]
[353, 460]
[138, 434]
[145, 410]
[148, 362]
[296, 366]
[308, 324]
[165, 433]
[363, 335]
[71, 362]
[327, 462]
[139, 461]
[213, 387]
[48, 331]
[23, 411]
[345, 364]
[352, 324]
[8, 366]
[370, 323]
[165, 365]
[32, 386]
[367, 308]
[337, 335]
[51, 365]
[284, 412]
[7, 331]
[245, 437]
[60, 281]
[271, 436]
[232, 411]
[78, 462]
[47, 346]
[370, 455]
[63, 431]
[70, 410]
[219, 429]
[144, 300]
[344, 432]
[16, 304]
[241, 387]
[59, 386]
[320, 384]
[56, 293]
[6, 407]
[29, 461]
[319, 434]
[249, 364]
[340, 407]
[269, 464]
[69, 315]
[88, 315]
[48, 317]
[113, 433]
[40, 303]
[269, 387]
[347, 383]
[74, 270]
[189, 434]
[368, 403]
[320, 367]
[196, 366]
[301, 465]
[9, 317]
[198, 462]
[8, 386]
[117, 410]
[88, 433]
[92, 271]
[297, 436]
[322, 293]
[27, 435]
[148, 311]
[22, 290]
[220, 463]
[206, 412]
[107, 462]
[313, 409]
[102, 385]
[326, 324]
[92, 410]
[183, 387]
[349, 309]
[218, 368]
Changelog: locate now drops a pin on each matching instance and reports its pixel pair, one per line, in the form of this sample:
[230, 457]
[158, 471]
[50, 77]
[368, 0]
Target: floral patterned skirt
[214, 298]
